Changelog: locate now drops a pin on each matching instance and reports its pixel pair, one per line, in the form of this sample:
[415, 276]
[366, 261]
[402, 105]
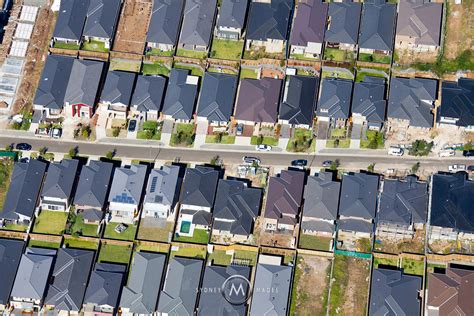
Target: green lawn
[43, 244]
[227, 49]
[360, 75]
[248, 73]
[83, 229]
[155, 233]
[343, 143]
[50, 222]
[184, 135]
[125, 65]
[301, 141]
[224, 139]
[190, 53]
[156, 68]
[15, 227]
[411, 266]
[200, 236]
[266, 140]
[161, 248]
[95, 46]
[222, 70]
[246, 255]
[72, 242]
[375, 58]
[385, 262]
[62, 45]
[195, 70]
[189, 252]
[219, 257]
[337, 74]
[149, 130]
[334, 54]
[314, 242]
[6, 169]
[115, 253]
[374, 140]
[302, 57]
[157, 52]
[128, 234]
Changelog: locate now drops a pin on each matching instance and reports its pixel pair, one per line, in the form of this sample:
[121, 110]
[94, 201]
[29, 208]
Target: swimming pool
[185, 227]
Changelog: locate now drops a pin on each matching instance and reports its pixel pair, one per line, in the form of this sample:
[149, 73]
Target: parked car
[25, 160]
[299, 163]
[263, 147]
[468, 153]
[23, 146]
[456, 168]
[251, 160]
[396, 151]
[327, 163]
[120, 228]
[132, 125]
[447, 153]
[56, 133]
[240, 129]
[470, 168]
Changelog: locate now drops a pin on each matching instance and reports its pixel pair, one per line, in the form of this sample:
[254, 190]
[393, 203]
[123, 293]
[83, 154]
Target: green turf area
[337, 73]
[161, 248]
[149, 130]
[302, 57]
[343, 143]
[43, 244]
[411, 266]
[189, 252]
[72, 242]
[157, 52]
[265, 140]
[334, 54]
[184, 135]
[219, 257]
[385, 262]
[155, 233]
[361, 74]
[248, 73]
[301, 141]
[200, 236]
[83, 229]
[125, 65]
[190, 53]
[156, 68]
[115, 253]
[195, 70]
[50, 222]
[374, 140]
[15, 227]
[128, 234]
[314, 242]
[220, 139]
[6, 169]
[62, 45]
[95, 46]
[375, 58]
[249, 257]
[227, 49]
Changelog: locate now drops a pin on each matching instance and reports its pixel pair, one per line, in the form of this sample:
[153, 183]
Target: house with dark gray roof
[10, 255]
[198, 23]
[268, 25]
[377, 27]
[140, 295]
[69, 280]
[392, 292]
[31, 280]
[411, 100]
[181, 94]
[299, 101]
[49, 97]
[162, 193]
[93, 186]
[342, 30]
[271, 274]
[419, 25]
[179, 294]
[126, 192]
[257, 101]
[334, 100]
[321, 203]
[216, 100]
[164, 25]
[236, 207]
[369, 102]
[56, 193]
[457, 104]
[117, 92]
[148, 96]
[70, 22]
[213, 302]
[358, 203]
[309, 25]
[284, 199]
[83, 88]
[452, 197]
[103, 289]
[403, 207]
[101, 22]
[231, 19]
[24, 191]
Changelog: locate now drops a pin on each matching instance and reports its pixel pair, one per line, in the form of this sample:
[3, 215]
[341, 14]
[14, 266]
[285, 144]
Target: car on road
[299, 163]
[120, 228]
[468, 153]
[456, 168]
[395, 151]
[263, 147]
[327, 163]
[240, 129]
[251, 160]
[56, 133]
[132, 125]
[447, 153]
[23, 146]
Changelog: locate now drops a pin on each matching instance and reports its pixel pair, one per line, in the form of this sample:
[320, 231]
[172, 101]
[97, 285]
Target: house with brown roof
[450, 293]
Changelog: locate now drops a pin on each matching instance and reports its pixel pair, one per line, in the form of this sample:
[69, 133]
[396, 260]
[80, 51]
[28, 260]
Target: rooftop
[359, 195]
[180, 95]
[165, 21]
[321, 196]
[343, 22]
[457, 101]
[198, 22]
[309, 23]
[377, 26]
[216, 101]
[299, 100]
[335, 98]
[269, 20]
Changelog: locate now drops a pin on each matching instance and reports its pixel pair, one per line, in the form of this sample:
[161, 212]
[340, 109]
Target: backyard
[200, 236]
[63, 45]
[50, 222]
[43, 244]
[125, 65]
[195, 70]
[226, 49]
[189, 252]
[219, 257]
[375, 58]
[156, 68]
[334, 54]
[82, 229]
[128, 234]
[95, 46]
[151, 231]
[183, 135]
[315, 242]
[190, 53]
[411, 266]
[391, 262]
[72, 242]
[115, 253]
[249, 73]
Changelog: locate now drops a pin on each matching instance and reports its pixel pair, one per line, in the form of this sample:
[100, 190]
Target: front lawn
[50, 222]
[149, 130]
[338, 143]
[315, 242]
[95, 46]
[301, 141]
[190, 53]
[115, 253]
[374, 140]
[200, 236]
[334, 54]
[195, 70]
[220, 139]
[72, 242]
[63, 45]
[128, 234]
[83, 229]
[375, 58]
[43, 244]
[265, 140]
[156, 68]
[184, 135]
[248, 73]
[227, 49]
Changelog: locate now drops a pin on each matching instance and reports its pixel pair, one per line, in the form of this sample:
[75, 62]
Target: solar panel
[153, 184]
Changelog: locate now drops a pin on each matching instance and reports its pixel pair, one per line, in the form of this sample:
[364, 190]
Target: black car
[468, 153]
[299, 163]
[23, 146]
[132, 125]
[470, 168]
[327, 163]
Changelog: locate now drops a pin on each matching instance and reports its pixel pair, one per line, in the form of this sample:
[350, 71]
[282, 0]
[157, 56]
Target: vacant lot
[459, 28]
[133, 26]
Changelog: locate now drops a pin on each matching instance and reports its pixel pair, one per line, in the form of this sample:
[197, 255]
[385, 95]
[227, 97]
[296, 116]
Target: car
[56, 133]
[251, 160]
[327, 163]
[263, 147]
[132, 125]
[468, 153]
[25, 160]
[470, 168]
[456, 168]
[240, 129]
[396, 151]
[447, 153]
[23, 146]
[120, 228]
[299, 163]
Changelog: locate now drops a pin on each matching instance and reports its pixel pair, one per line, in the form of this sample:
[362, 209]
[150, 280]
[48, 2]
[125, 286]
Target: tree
[115, 132]
[421, 148]
[9, 147]
[73, 151]
[110, 154]
[468, 146]
[415, 168]
[215, 160]
[371, 167]
[42, 151]
[334, 165]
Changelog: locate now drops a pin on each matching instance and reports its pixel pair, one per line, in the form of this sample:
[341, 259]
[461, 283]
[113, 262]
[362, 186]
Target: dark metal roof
[377, 26]
[93, 185]
[199, 186]
[216, 100]
[118, 87]
[343, 25]
[269, 20]
[309, 23]
[10, 254]
[457, 101]
[359, 195]
[102, 17]
[84, 81]
[198, 22]
[180, 96]
[321, 196]
[105, 284]
[149, 93]
[165, 21]
[71, 19]
[232, 13]
[369, 99]
[299, 99]
[335, 98]
[60, 179]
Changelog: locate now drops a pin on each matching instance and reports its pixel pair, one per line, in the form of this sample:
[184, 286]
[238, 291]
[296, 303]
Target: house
[231, 19]
[452, 197]
[358, 204]
[181, 94]
[103, 289]
[457, 104]
[93, 187]
[140, 295]
[449, 293]
[216, 101]
[284, 199]
[147, 98]
[335, 101]
[321, 201]
[24, 191]
[394, 293]
[307, 33]
[377, 28]
[162, 193]
[102, 17]
[164, 25]
[268, 25]
[236, 207]
[56, 194]
[419, 25]
[29, 288]
[197, 199]
[10, 255]
[257, 101]
[117, 93]
[180, 290]
[403, 207]
[69, 280]
[411, 100]
[126, 193]
[70, 22]
[369, 103]
[83, 88]
[343, 26]
[49, 97]
[299, 101]
[198, 22]
[271, 274]
[212, 302]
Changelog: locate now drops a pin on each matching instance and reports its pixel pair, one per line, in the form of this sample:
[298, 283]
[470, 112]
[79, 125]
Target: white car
[395, 151]
[446, 153]
[56, 133]
[456, 168]
[263, 147]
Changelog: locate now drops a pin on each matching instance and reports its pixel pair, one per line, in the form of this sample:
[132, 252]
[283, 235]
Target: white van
[395, 151]
[446, 153]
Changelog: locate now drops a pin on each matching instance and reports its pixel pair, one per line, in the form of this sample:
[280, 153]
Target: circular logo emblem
[236, 289]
